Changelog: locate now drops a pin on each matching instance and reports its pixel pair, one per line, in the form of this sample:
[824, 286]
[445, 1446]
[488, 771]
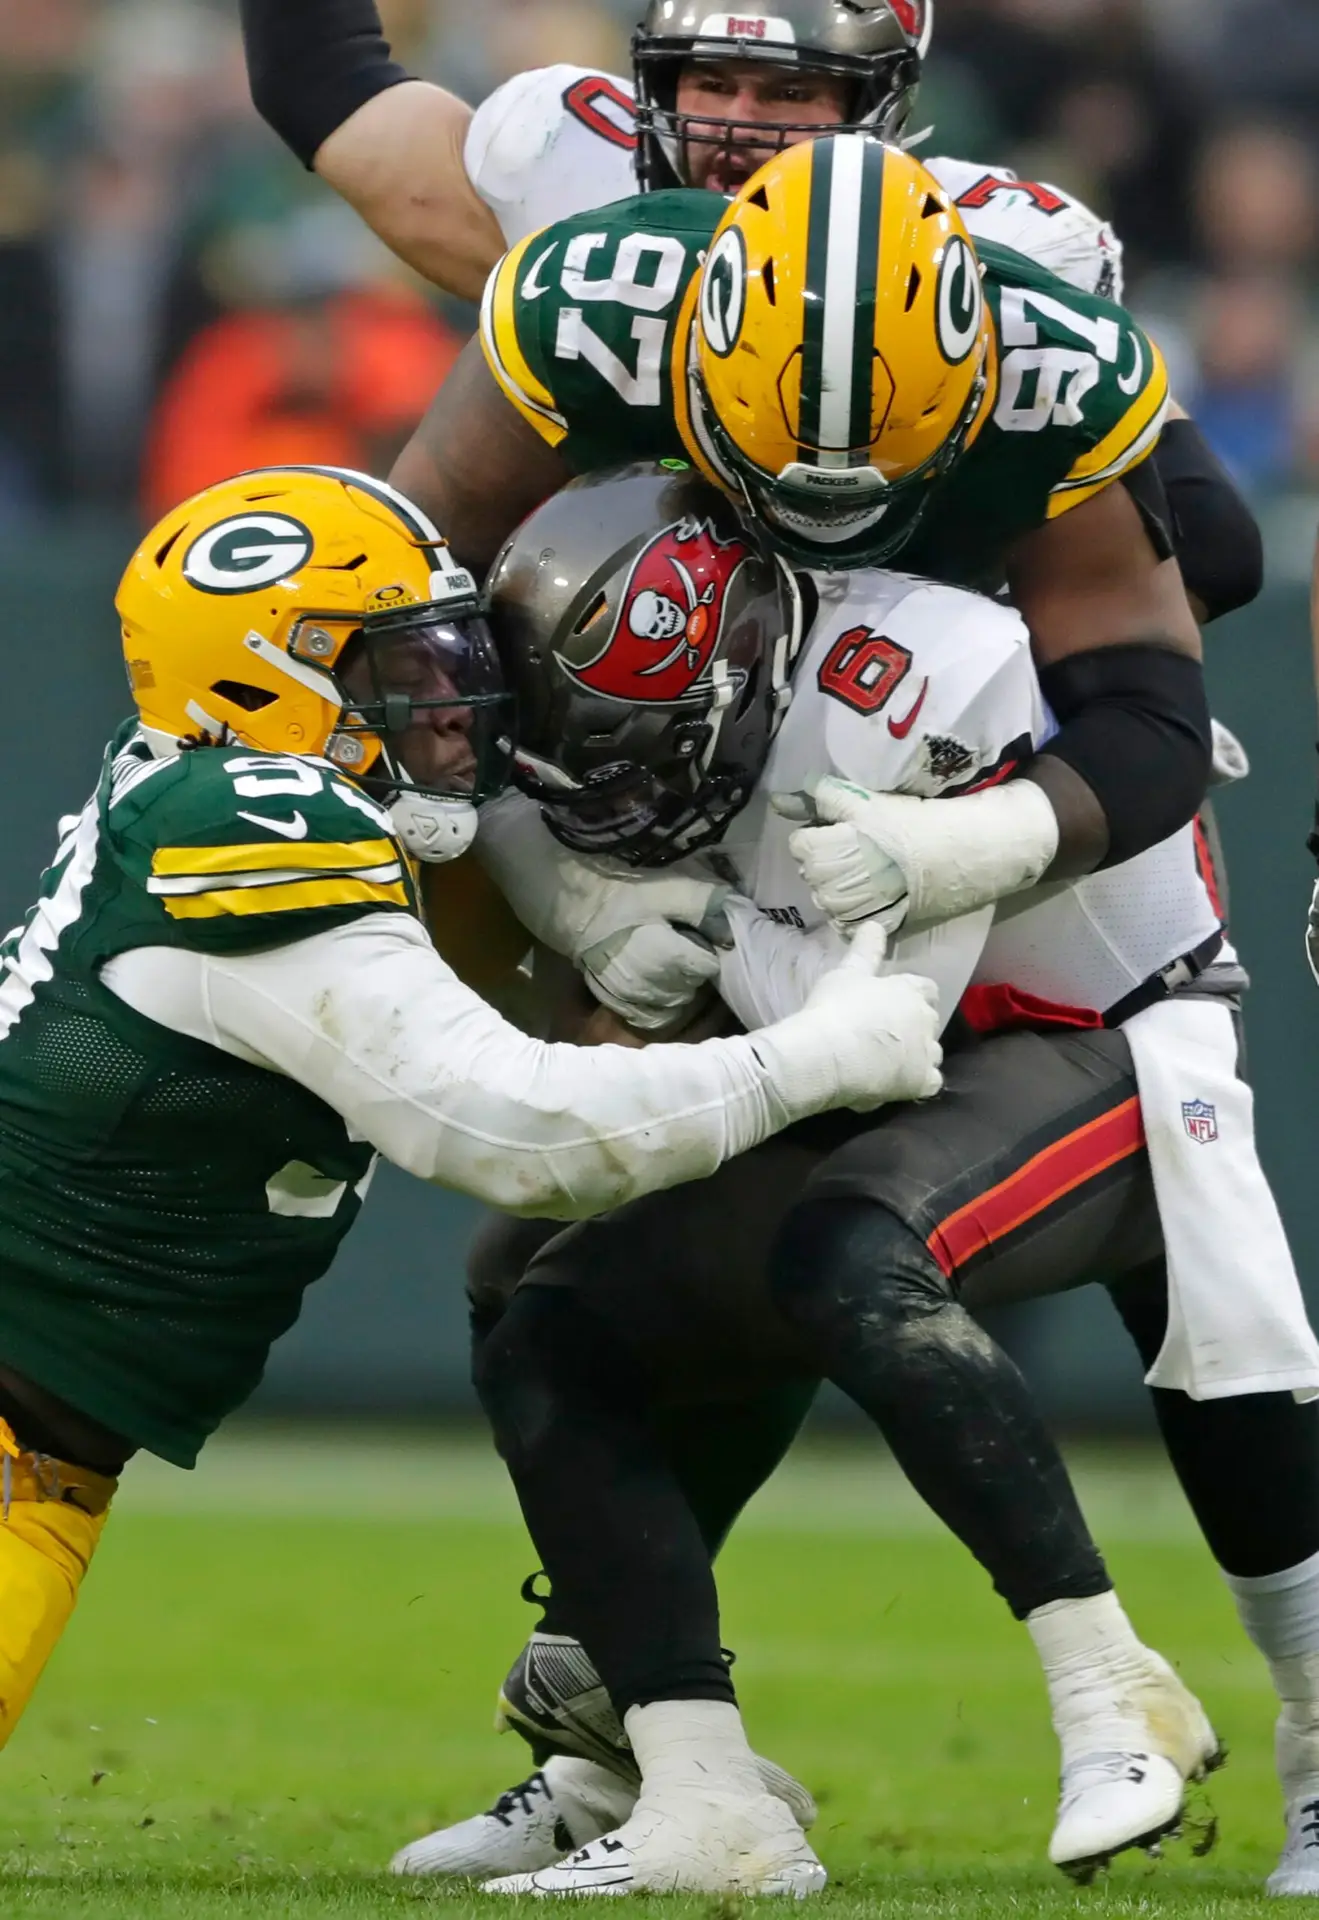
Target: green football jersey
[587, 327]
[163, 1204]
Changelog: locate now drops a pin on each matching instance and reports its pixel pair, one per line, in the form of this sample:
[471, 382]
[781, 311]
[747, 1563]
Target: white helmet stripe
[840, 289]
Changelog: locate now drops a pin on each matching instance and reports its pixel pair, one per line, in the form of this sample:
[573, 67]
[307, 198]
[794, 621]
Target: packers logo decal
[959, 302]
[669, 621]
[247, 551]
[724, 293]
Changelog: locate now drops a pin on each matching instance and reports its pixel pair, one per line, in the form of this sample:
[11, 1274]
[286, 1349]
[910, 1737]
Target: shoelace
[518, 1799]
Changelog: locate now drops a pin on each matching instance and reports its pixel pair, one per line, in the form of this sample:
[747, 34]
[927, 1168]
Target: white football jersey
[905, 686]
[559, 140]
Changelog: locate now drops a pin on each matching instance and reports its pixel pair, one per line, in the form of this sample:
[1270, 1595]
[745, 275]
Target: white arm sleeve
[769, 970]
[370, 1018]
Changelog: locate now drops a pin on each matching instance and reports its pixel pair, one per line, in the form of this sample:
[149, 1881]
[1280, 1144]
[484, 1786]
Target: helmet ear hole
[239, 694]
[913, 288]
[598, 606]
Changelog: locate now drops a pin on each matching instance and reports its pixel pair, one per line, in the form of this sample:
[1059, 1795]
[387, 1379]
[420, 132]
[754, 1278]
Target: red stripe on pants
[1054, 1171]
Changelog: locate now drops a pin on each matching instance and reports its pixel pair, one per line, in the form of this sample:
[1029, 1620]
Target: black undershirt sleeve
[1134, 724]
[312, 63]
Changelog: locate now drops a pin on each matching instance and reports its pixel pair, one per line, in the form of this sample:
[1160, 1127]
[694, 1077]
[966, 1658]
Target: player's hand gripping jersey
[588, 324]
[559, 141]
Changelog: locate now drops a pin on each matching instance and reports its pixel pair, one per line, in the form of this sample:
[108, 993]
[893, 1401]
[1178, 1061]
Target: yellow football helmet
[842, 348]
[314, 610]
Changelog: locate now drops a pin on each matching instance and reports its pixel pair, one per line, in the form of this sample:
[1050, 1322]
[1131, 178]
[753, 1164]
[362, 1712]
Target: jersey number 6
[864, 669]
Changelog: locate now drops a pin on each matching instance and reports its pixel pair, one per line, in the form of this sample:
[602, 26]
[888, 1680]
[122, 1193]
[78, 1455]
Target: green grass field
[284, 1666]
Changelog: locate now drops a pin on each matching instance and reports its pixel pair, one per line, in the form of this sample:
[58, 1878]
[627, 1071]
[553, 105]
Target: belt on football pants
[1178, 973]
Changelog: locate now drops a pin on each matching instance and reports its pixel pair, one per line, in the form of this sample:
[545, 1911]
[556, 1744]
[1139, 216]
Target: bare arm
[399, 162]
[322, 77]
[1089, 581]
[475, 465]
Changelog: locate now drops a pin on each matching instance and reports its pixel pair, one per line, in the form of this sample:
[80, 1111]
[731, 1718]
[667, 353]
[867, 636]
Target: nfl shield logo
[1200, 1120]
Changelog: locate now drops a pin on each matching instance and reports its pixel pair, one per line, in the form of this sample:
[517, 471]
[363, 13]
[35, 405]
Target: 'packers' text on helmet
[649, 638]
[314, 610]
[841, 353]
[875, 46]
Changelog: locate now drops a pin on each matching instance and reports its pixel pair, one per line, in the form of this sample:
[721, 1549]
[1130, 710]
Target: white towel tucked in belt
[1236, 1318]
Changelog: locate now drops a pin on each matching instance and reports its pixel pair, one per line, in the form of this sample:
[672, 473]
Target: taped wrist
[312, 63]
[1215, 535]
[1134, 724]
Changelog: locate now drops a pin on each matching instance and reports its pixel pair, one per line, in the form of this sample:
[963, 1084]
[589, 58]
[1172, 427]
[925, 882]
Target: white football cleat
[560, 1807]
[714, 1843]
[1116, 1796]
[1297, 1872]
[555, 1699]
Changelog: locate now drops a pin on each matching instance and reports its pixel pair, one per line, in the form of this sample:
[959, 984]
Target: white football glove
[859, 1041]
[648, 975]
[1231, 762]
[893, 857]
[579, 907]
[1312, 933]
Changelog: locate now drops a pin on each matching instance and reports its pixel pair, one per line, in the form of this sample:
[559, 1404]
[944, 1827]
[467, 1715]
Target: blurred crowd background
[178, 300]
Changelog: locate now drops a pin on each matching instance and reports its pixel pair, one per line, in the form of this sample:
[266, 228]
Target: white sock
[1090, 1654]
[693, 1745]
[1280, 1612]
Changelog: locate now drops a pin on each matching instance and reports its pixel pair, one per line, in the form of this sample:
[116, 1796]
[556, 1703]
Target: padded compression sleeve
[312, 63]
[1134, 724]
[1216, 537]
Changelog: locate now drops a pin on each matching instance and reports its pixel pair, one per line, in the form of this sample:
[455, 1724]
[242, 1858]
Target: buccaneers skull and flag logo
[663, 637]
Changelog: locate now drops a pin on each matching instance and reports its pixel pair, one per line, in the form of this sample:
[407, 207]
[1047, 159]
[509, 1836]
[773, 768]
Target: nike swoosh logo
[532, 289]
[294, 829]
[901, 728]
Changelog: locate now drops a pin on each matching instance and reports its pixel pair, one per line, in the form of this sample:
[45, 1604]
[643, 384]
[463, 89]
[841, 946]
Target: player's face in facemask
[750, 99]
[435, 747]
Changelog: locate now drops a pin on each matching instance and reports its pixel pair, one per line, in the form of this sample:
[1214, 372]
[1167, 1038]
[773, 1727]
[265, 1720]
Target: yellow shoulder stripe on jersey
[314, 855]
[503, 349]
[1132, 440]
[335, 891]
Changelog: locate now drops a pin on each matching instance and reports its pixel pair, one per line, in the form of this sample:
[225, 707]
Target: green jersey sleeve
[1079, 399]
[228, 851]
[580, 324]
[1077, 377]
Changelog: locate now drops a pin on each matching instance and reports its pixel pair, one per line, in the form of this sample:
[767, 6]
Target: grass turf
[284, 1666]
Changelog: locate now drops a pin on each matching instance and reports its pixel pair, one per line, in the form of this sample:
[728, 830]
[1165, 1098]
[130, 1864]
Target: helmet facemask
[651, 813]
[880, 94]
[836, 517]
[425, 726]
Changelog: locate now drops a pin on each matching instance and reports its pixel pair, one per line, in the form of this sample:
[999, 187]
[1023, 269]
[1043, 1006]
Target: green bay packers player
[844, 363]
[711, 97]
[224, 1006]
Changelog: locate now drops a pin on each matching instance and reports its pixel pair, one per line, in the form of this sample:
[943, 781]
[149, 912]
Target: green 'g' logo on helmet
[959, 302]
[724, 293]
[247, 551]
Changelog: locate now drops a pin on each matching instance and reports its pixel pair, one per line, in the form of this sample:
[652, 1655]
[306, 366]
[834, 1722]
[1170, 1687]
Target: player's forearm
[371, 1021]
[1120, 663]
[321, 75]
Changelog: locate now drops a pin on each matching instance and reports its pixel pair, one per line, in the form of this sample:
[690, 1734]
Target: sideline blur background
[178, 300]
